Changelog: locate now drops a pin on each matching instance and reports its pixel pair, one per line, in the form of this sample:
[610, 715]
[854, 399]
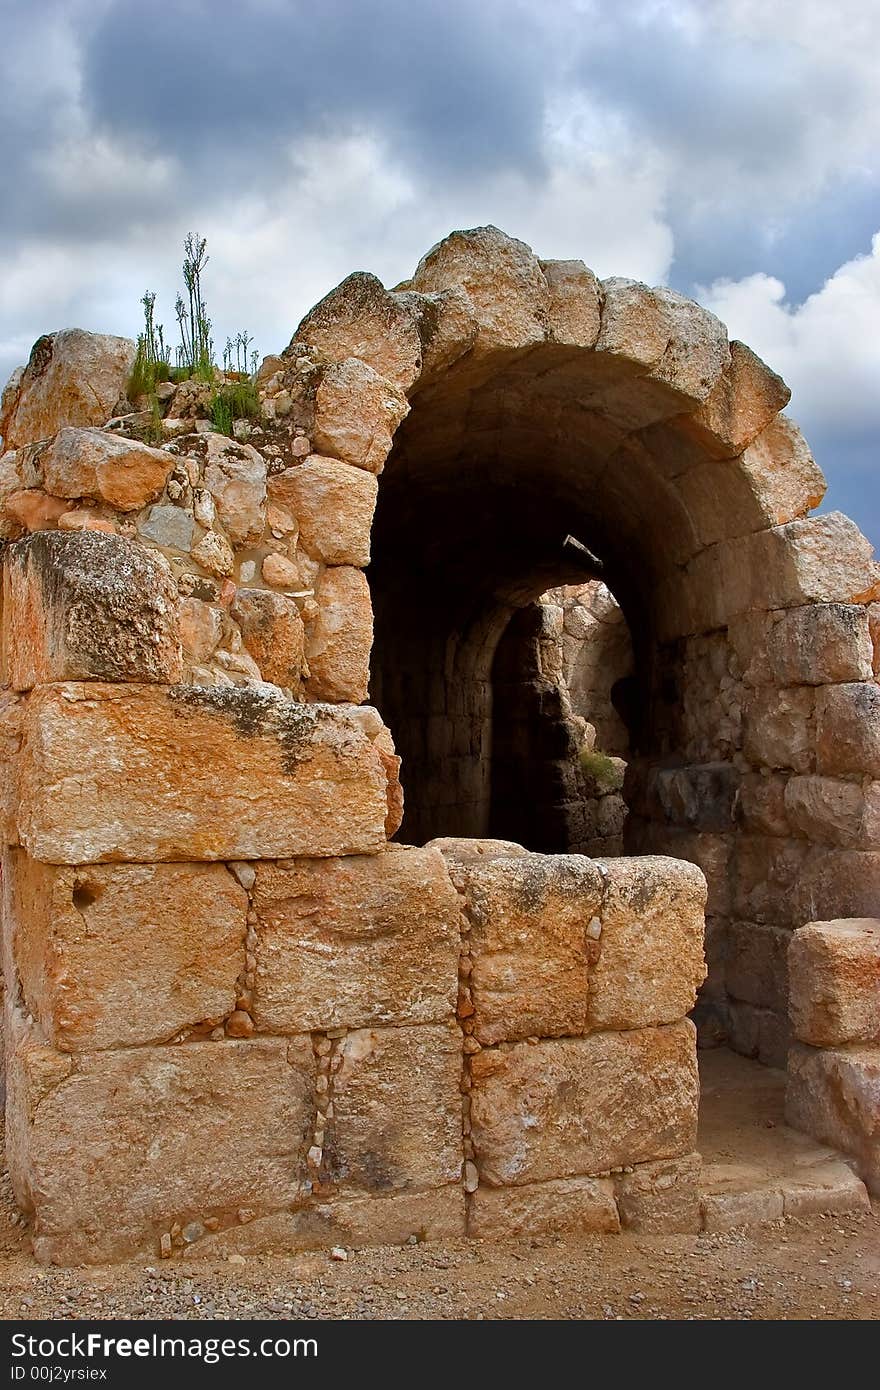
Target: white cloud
[828, 348]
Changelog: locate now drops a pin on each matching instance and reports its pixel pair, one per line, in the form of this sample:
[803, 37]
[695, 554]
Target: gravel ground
[827, 1268]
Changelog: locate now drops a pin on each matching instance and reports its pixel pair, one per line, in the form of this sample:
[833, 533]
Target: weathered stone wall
[193, 785]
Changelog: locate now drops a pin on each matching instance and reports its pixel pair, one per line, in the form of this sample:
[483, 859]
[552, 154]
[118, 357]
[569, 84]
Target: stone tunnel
[256, 997]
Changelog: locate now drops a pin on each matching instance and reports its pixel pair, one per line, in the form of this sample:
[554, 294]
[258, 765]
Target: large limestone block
[448, 328]
[697, 350]
[848, 729]
[126, 1144]
[359, 318]
[357, 941]
[124, 954]
[502, 279]
[661, 1197]
[779, 728]
[334, 504]
[874, 628]
[574, 307]
[834, 970]
[819, 644]
[756, 964]
[703, 795]
[585, 1205]
[635, 324]
[819, 559]
[765, 873]
[235, 476]
[339, 641]
[711, 853]
[108, 467]
[825, 809]
[834, 1094]
[837, 883]
[651, 960]
[461, 853]
[273, 634]
[112, 772]
[746, 398]
[81, 605]
[533, 927]
[400, 1218]
[72, 378]
[356, 414]
[396, 1121]
[580, 1106]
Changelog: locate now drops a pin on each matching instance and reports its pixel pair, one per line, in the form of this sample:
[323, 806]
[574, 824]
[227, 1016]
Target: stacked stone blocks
[834, 1066]
[197, 803]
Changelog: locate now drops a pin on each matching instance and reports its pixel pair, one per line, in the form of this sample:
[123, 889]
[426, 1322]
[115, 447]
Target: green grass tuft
[236, 400]
[603, 771]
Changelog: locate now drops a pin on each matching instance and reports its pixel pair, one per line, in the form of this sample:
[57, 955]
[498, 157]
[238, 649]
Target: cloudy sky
[730, 148]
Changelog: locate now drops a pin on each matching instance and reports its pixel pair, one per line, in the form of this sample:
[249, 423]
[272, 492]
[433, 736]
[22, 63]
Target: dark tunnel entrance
[474, 524]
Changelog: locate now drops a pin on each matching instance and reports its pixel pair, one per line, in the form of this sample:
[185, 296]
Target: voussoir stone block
[123, 954]
[781, 473]
[534, 923]
[396, 1120]
[650, 961]
[834, 1094]
[355, 941]
[574, 306]
[580, 1106]
[746, 398]
[360, 318]
[110, 1149]
[83, 605]
[502, 279]
[834, 972]
[136, 772]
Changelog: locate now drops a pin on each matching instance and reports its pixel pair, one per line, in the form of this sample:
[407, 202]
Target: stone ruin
[251, 1003]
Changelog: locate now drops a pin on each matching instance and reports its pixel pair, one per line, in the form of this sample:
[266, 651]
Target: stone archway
[542, 403]
[186, 645]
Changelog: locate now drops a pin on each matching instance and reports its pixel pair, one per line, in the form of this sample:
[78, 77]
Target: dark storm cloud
[456, 86]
